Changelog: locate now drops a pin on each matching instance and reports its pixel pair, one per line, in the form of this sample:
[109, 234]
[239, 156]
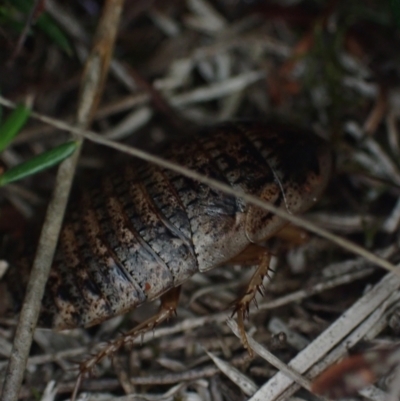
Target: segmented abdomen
[145, 229]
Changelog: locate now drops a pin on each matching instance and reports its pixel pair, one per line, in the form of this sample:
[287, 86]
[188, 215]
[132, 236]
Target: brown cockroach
[143, 231]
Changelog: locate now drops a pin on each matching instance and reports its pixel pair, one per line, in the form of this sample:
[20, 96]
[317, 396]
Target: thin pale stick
[349, 321]
[271, 358]
[93, 137]
[92, 84]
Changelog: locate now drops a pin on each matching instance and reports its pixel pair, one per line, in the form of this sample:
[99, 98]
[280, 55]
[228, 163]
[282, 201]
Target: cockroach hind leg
[242, 305]
[169, 302]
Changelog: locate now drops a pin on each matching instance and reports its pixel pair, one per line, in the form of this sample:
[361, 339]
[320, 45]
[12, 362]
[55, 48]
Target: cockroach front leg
[243, 304]
[169, 302]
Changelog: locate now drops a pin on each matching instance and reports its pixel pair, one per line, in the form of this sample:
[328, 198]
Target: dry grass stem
[243, 382]
[341, 242]
[92, 85]
[358, 319]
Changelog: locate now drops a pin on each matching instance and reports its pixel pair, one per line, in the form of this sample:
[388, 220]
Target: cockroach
[141, 232]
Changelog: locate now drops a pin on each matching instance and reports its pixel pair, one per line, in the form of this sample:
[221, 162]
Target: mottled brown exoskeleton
[145, 230]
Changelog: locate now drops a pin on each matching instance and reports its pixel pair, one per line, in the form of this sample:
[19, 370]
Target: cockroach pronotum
[142, 232]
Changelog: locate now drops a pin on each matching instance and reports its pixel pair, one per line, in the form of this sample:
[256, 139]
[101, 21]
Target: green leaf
[47, 25]
[1, 113]
[395, 7]
[22, 5]
[13, 125]
[39, 163]
[51, 29]
[7, 17]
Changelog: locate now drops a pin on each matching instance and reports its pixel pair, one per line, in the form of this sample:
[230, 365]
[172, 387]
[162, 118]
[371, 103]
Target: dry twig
[93, 79]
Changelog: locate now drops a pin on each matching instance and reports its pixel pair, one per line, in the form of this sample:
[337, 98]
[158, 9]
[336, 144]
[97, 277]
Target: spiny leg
[243, 304]
[169, 302]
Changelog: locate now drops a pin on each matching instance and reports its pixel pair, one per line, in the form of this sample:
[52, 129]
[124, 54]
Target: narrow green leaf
[51, 29]
[23, 5]
[1, 114]
[13, 125]
[39, 163]
[47, 25]
[8, 17]
[395, 6]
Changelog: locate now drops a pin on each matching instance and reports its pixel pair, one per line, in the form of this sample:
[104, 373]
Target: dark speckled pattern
[144, 230]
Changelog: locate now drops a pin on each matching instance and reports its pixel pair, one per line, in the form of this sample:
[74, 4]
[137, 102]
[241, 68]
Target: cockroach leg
[169, 302]
[243, 304]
